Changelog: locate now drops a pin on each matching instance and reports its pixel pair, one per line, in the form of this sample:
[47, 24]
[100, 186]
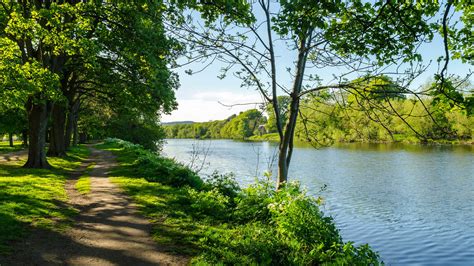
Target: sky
[204, 97]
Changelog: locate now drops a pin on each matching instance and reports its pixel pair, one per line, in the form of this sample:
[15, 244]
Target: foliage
[12, 120]
[56, 55]
[155, 168]
[97, 120]
[346, 38]
[378, 111]
[34, 198]
[220, 223]
[240, 126]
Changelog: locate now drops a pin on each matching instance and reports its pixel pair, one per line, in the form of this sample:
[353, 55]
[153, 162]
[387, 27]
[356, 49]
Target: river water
[413, 204]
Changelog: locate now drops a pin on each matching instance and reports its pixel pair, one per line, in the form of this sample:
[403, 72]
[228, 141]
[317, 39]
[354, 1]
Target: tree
[55, 54]
[12, 121]
[366, 40]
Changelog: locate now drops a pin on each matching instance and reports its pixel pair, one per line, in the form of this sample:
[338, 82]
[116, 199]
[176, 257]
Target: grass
[217, 223]
[265, 137]
[5, 146]
[83, 184]
[35, 198]
[164, 205]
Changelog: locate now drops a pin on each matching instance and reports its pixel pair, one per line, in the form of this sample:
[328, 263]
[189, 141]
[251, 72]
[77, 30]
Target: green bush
[209, 203]
[283, 227]
[224, 183]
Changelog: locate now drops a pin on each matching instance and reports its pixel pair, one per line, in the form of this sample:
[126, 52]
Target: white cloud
[205, 106]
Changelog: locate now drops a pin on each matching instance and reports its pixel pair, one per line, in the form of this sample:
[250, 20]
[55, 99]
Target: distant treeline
[326, 118]
[241, 126]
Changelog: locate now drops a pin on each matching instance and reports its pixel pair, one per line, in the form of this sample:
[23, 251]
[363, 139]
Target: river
[413, 204]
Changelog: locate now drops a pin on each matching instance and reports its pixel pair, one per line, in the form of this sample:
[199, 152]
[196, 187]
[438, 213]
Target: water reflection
[412, 203]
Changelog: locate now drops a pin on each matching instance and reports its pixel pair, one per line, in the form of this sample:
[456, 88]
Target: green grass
[265, 137]
[218, 223]
[176, 224]
[83, 184]
[35, 198]
[5, 146]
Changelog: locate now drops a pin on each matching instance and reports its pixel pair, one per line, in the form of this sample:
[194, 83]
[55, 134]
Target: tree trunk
[286, 142]
[10, 139]
[71, 123]
[69, 130]
[24, 136]
[75, 136]
[57, 145]
[82, 137]
[38, 125]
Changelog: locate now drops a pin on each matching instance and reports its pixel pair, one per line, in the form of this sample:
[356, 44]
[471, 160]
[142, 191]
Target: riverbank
[215, 221]
[273, 137]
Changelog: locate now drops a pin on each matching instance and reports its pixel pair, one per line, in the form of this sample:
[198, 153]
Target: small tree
[356, 41]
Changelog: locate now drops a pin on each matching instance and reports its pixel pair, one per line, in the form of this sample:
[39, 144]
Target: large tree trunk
[57, 144]
[38, 125]
[10, 139]
[69, 129]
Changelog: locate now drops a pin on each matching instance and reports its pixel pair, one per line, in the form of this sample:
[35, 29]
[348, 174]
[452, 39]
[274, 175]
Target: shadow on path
[107, 231]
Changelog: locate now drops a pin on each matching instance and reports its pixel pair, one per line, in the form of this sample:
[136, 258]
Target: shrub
[209, 203]
[224, 183]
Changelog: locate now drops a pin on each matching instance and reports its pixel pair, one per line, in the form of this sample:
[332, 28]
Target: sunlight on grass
[83, 184]
[168, 209]
[34, 197]
[5, 146]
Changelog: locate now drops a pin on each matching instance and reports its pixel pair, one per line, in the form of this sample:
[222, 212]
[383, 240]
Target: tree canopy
[57, 54]
[356, 39]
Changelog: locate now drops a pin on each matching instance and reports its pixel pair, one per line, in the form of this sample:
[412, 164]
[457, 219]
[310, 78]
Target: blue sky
[200, 94]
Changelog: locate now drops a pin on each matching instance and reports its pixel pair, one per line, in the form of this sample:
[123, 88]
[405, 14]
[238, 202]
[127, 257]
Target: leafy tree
[56, 53]
[12, 121]
[362, 38]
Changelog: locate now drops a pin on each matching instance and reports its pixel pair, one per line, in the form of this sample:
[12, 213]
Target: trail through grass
[219, 223]
[35, 198]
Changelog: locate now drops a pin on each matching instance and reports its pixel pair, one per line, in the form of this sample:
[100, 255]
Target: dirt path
[107, 231]
[13, 156]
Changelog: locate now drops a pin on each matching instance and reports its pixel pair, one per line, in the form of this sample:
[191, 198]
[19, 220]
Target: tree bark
[38, 125]
[82, 137]
[69, 130]
[57, 144]
[10, 139]
[75, 136]
[286, 142]
[71, 124]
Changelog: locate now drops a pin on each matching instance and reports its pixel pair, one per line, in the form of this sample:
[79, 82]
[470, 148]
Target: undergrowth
[218, 222]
